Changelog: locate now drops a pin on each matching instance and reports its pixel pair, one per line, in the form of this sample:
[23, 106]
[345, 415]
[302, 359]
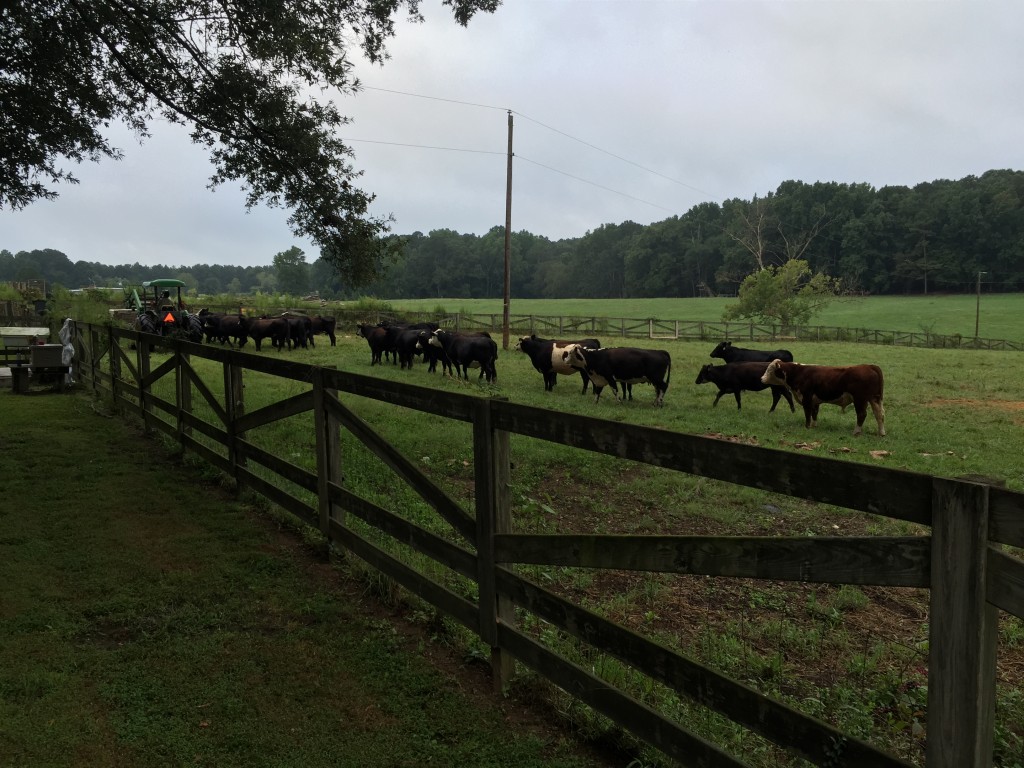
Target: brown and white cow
[816, 384]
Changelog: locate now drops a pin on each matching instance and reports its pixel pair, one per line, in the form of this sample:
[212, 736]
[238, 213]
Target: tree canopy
[241, 75]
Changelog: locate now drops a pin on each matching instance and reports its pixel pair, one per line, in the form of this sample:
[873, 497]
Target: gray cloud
[725, 99]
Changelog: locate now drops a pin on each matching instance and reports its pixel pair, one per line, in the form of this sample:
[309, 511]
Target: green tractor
[161, 310]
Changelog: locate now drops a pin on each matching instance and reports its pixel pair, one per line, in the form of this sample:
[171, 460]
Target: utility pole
[977, 309]
[508, 235]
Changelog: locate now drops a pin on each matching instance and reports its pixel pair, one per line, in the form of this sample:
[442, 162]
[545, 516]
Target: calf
[376, 337]
[726, 351]
[736, 377]
[467, 352]
[817, 384]
[548, 358]
[623, 365]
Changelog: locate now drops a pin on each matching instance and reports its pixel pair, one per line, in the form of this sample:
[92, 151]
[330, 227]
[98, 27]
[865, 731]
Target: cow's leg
[862, 412]
[586, 381]
[879, 410]
[719, 396]
[736, 394]
[597, 393]
[809, 415]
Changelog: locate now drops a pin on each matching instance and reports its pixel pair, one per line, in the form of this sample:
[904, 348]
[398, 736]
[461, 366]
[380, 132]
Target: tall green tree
[787, 294]
[292, 271]
[240, 75]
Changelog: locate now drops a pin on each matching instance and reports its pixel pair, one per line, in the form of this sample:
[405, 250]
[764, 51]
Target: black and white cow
[548, 357]
[726, 351]
[393, 331]
[468, 351]
[612, 366]
[733, 378]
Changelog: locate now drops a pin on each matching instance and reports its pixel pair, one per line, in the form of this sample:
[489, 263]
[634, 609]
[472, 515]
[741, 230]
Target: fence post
[328, 453]
[144, 350]
[962, 631]
[493, 515]
[183, 386]
[234, 407]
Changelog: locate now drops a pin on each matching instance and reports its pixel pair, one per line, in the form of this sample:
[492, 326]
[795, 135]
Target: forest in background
[936, 237]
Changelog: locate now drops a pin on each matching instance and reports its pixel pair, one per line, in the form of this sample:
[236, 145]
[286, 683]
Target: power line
[518, 157]
[434, 98]
[427, 146]
[554, 130]
[593, 183]
[612, 154]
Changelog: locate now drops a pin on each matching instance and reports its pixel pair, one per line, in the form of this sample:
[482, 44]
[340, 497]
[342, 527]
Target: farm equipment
[161, 310]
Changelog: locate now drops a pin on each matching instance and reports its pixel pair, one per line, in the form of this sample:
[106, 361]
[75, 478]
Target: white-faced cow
[612, 366]
[394, 330]
[726, 351]
[817, 384]
[548, 357]
[468, 351]
[733, 378]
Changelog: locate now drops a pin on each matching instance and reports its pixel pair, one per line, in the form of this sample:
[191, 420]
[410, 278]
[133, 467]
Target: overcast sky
[623, 111]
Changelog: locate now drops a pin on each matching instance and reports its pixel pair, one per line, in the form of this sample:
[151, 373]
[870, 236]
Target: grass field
[149, 619]
[854, 656]
[999, 315]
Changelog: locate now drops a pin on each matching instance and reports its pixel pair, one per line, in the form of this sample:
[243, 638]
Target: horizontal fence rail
[961, 562]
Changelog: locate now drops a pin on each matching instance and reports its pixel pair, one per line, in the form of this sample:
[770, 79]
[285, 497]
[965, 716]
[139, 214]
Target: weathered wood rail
[961, 562]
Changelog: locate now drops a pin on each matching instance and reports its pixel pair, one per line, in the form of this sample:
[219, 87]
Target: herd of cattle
[599, 367]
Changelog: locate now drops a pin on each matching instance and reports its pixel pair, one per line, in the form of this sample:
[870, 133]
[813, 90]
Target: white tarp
[67, 334]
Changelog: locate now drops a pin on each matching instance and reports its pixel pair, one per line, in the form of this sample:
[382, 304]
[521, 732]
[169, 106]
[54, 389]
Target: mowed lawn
[148, 619]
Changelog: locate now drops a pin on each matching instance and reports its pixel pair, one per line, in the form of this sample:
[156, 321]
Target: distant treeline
[937, 237]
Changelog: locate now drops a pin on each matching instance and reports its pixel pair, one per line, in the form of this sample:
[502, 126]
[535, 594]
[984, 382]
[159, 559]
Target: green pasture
[998, 315]
[948, 413]
[149, 619]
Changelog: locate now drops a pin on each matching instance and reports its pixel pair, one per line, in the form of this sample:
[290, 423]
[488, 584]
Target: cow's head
[719, 351]
[774, 374]
[519, 344]
[575, 355]
[702, 375]
[423, 339]
[435, 338]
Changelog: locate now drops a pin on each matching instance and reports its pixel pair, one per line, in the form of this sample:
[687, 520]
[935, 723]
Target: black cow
[623, 365]
[726, 351]
[236, 327]
[376, 337]
[406, 345]
[432, 354]
[468, 351]
[274, 328]
[736, 377]
[324, 325]
[547, 356]
[211, 324]
[300, 330]
[394, 329]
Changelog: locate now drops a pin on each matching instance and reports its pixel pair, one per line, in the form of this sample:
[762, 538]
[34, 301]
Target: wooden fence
[962, 562]
[611, 328]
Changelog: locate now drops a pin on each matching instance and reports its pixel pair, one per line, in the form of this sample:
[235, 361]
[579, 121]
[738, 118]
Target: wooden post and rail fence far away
[962, 562]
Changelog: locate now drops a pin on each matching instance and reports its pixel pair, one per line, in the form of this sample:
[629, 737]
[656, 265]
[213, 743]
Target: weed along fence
[198, 396]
